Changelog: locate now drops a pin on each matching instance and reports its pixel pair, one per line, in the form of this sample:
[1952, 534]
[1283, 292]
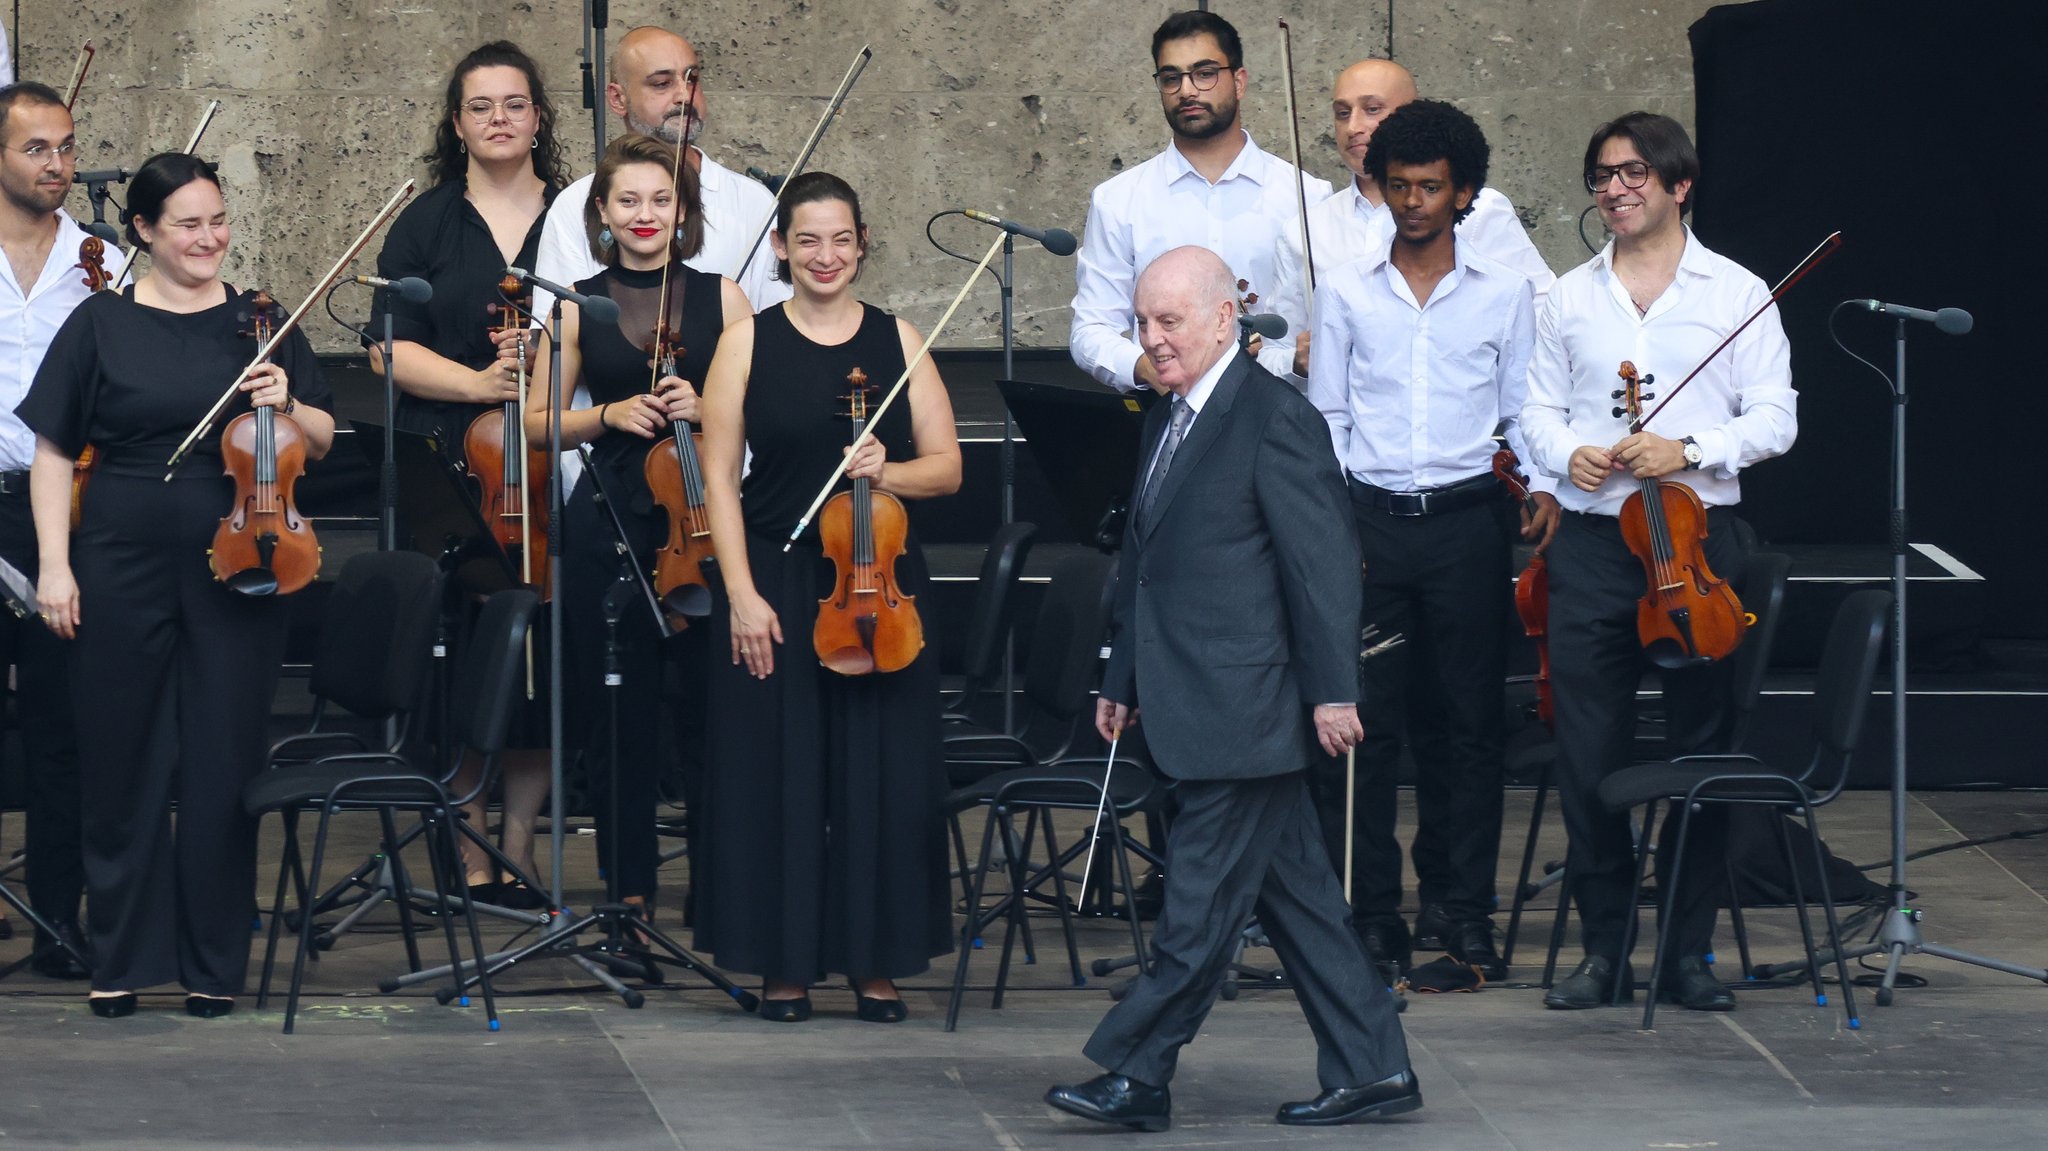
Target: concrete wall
[1015, 107]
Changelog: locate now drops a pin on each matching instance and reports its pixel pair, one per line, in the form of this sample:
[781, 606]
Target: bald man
[1236, 636]
[1355, 222]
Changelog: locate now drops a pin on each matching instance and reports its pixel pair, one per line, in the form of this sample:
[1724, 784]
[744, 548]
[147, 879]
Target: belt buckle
[1408, 503]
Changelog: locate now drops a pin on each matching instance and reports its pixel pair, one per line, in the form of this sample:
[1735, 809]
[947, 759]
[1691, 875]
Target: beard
[1208, 124]
[669, 129]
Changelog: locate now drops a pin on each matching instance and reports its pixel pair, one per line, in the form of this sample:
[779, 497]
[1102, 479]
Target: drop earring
[604, 238]
[680, 237]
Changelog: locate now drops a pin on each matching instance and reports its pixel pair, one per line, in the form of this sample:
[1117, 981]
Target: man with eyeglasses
[1212, 187]
[40, 283]
[1657, 297]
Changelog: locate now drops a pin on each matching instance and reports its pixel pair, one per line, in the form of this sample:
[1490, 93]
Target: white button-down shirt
[1348, 227]
[1413, 392]
[1141, 214]
[1740, 409]
[28, 322]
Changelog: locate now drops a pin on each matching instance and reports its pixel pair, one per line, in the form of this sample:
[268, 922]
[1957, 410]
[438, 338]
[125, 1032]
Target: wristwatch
[291, 404]
[1693, 453]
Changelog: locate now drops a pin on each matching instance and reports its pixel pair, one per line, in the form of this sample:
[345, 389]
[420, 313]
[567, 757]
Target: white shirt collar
[1206, 386]
[1249, 164]
[1694, 259]
[710, 174]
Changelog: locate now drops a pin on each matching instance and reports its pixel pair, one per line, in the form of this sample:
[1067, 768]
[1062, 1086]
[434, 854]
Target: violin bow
[291, 323]
[1308, 259]
[192, 145]
[838, 101]
[875, 418]
[1813, 260]
[85, 55]
[675, 191]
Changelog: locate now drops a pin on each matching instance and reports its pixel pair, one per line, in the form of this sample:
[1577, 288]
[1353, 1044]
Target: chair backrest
[1066, 643]
[487, 685]
[1763, 595]
[377, 633]
[995, 600]
[1842, 689]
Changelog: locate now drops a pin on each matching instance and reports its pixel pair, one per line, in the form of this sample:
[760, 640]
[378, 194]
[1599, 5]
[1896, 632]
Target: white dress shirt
[28, 322]
[1146, 211]
[1741, 408]
[1413, 392]
[1348, 227]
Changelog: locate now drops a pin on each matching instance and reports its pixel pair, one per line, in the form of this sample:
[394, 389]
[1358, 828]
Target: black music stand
[437, 517]
[1086, 441]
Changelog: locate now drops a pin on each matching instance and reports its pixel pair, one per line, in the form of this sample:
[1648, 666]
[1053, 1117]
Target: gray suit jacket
[1237, 603]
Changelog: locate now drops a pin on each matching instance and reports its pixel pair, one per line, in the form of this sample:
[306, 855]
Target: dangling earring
[534, 144]
[680, 236]
[462, 147]
[604, 238]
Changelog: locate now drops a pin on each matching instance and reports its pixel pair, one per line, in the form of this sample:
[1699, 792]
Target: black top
[616, 364]
[796, 413]
[443, 239]
[132, 380]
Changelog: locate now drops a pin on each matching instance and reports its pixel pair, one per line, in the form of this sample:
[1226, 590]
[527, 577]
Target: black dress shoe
[1589, 985]
[1471, 943]
[1116, 1099]
[1388, 946]
[1433, 927]
[875, 1009]
[112, 1006]
[208, 1006]
[1394, 1095]
[1690, 983]
[785, 1010]
[56, 962]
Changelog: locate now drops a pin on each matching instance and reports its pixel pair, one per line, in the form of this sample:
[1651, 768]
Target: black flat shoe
[875, 1010]
[1116, 1099]
[1471, 943]
[1389, 946]
[519, 897]
[208, 1007]
[112, 1006]
[1590, 984]
[785, 1010]
[1394, 1095]
[1690, 983]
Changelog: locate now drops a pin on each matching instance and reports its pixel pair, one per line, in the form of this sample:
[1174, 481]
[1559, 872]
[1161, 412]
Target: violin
[1532, 590]
[675, 476]
[92, 260]
[1688, 616]
[263, 546]
[510, 473]
[867, 624]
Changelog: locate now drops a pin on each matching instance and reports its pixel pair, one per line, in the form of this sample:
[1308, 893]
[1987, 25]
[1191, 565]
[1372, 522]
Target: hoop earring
[533, 145]
[604, 238]
[462, 147]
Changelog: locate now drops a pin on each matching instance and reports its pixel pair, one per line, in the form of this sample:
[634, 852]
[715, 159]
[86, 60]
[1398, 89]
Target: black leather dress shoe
[1471, 943]
[57, 963]
[1433, 927]
[1388, 946]
[1690, 983]
[1116, 1099]
[1589, 985]
[1394, 1095]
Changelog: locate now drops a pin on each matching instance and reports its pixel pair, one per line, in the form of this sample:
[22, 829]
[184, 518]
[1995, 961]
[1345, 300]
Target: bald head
[1366, 93]
[1186, 307]
[648, 81]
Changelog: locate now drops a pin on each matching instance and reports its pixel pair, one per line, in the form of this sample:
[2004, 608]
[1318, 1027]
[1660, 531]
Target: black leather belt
[1430, 502]
[13, 483]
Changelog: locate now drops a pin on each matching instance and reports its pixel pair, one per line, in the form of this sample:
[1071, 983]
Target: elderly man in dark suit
[1237, 616]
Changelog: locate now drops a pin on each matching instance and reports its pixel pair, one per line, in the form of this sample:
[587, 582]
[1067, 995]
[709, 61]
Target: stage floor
[1955, 1064]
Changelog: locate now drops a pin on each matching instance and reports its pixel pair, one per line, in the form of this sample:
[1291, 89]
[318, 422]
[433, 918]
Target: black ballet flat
[519, 897]
[873, 1010]
[208, 1007]
[112, 1006]
[785, 1010]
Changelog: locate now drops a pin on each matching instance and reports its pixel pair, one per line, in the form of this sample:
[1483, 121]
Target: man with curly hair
[1421, 351]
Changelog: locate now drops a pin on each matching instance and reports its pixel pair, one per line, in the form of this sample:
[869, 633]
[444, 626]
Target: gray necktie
[1182, 413]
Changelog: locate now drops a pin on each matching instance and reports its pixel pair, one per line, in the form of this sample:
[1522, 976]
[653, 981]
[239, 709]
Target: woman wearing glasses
[495, 166]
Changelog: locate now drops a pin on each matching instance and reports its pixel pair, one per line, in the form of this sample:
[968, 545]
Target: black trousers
[1596, 663]
[175, 677]
[1236, 846]
[1442, 581]
[49, 741]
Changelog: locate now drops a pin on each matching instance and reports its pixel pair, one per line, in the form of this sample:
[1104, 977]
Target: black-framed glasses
[1634, 174]
[481, 110]
[1202, 76]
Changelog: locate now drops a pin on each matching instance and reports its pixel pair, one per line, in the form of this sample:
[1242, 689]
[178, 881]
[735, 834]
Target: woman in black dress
[823, 844]
[643, 227]
[174, 673]
[496, 166]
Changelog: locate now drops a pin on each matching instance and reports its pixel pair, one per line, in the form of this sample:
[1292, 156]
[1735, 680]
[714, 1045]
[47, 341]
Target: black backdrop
[1910, 126]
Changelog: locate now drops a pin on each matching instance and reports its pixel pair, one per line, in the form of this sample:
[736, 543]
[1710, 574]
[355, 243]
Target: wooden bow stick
[1308, 258]
[860, 63]
[85, 55]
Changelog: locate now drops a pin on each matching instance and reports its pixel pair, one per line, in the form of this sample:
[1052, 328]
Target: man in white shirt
[1421, 351]
[1355, 222]
[40, 284]
[1656, 297]
[1212, 187]
[650, 74]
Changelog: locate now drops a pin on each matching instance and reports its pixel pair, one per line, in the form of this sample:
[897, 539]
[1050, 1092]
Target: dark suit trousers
[1236, 845]
[1596, 663]
[49, 743]
[1441, 581]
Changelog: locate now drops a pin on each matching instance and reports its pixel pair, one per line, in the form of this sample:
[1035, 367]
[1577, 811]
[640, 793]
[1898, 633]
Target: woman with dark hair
[823, 845]
[130, 373]
[496, 166]
[643, 226]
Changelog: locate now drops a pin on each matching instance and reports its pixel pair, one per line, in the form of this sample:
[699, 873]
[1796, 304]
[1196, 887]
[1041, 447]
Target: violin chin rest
[253, 581]
[693, 600]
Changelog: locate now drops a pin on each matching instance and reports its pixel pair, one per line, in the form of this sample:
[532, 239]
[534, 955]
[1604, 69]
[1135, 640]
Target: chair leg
[401, 883]
[970, 927]
[1668, 886]
[291, 1002]
[1559, 923]
[1827, 903]
[1820, 995]
[458, 884]
[1018, 919]
[1119, 850]
[287, 867]
[1633, 925]
[959, 853]
[434, 839]
[1057, 866]
[1735, 919]
[1507, 947]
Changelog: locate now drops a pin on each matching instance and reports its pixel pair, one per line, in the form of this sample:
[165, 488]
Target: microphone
[1948, 321]
[1264, 324]
[769, 180]
[599, 309]
[102, 176]
[1058, 241]
[411, 289]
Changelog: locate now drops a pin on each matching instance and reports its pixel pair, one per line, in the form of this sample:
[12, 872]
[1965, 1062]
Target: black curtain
[1910, 126]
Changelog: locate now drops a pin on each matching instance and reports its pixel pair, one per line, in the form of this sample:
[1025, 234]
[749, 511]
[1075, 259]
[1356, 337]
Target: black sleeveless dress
[824, 850]
[616, 367]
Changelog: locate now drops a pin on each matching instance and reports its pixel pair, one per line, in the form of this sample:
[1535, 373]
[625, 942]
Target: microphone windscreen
[601, 310]
[1954, 321]
[1270, 326]
[414, 290]
[1060, 242]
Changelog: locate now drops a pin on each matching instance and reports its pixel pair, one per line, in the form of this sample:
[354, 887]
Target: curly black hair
[1423, 132]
